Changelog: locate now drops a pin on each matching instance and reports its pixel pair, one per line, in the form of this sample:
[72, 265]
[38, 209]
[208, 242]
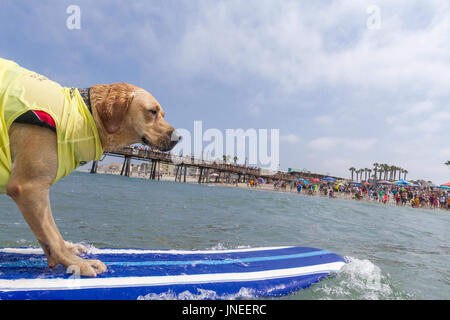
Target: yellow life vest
[22, 90]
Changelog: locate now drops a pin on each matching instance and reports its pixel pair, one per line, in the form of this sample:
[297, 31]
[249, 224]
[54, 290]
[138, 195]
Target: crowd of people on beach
[427, 197]
[401, 195]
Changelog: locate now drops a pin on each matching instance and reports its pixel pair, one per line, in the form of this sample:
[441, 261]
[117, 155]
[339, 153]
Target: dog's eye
[153, 112]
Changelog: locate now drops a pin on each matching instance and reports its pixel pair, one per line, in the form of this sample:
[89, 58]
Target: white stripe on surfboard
[123, 282]
[143, 251]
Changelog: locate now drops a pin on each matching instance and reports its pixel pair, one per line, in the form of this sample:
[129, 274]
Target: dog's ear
[114, 105]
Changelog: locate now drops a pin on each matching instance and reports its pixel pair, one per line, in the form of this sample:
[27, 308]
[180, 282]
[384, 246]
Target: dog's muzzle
[166, 145]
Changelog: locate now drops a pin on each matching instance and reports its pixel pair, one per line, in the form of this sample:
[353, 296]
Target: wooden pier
[204, 168]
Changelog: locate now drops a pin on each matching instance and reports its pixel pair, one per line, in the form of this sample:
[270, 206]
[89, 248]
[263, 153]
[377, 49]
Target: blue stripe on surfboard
[217, 255]
[215, 262]
[21, 264]
[110, 255]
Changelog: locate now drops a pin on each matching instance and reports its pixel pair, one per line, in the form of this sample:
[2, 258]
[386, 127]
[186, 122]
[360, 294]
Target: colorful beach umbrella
[403, 182]
[302, 180]
[328, 179]
[446, 184]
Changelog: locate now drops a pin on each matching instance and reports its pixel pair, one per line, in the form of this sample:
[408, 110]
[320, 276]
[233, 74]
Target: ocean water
[392, 252]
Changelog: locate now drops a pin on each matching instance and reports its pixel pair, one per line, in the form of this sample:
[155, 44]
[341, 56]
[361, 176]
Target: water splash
[222, 246]
[202, 294]
[359, 280]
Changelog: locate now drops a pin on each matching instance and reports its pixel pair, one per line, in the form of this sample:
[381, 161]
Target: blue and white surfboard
[134, 274]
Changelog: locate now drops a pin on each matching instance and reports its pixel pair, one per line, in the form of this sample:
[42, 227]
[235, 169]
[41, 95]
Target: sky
[346, 83]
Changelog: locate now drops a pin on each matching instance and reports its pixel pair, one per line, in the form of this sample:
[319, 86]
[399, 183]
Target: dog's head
[129, 114]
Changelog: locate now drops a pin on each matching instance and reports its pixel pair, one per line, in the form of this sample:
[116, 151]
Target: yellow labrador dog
[33, 157]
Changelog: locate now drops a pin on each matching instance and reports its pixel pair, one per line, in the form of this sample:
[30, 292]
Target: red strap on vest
[44, 116]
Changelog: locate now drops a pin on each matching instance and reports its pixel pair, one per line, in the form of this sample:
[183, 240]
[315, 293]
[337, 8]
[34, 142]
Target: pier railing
[205, 166]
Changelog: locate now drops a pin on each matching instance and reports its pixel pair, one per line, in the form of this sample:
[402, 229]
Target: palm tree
[235, 159]
[381, 170]
[395, 172]
[352, 170]
[365, 173]
[448, 164]
[405, 172]
[375, 168]
[392, 172]
[226, 158]
[369, 171]
[400, 171]
[386, 170]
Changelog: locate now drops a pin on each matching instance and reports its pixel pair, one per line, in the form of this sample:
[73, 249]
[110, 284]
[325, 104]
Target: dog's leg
[34, 167]
[76, 248]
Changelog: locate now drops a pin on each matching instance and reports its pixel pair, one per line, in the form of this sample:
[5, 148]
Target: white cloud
[423, 117]
[290, 138]
[333, 143]
[286, 44]
[324, 120]
[418, 109]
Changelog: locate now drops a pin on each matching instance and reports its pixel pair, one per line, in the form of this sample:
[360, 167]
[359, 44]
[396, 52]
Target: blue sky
[341, 93]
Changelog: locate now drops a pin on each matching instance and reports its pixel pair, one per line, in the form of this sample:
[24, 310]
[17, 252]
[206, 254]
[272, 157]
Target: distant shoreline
[265, 187]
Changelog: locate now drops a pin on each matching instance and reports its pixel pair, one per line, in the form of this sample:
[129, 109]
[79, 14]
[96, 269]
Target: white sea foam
[202, 294]
[361, 280]
[222, 247]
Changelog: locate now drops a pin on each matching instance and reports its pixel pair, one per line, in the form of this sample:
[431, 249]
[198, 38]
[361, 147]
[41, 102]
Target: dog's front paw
[76, 248]
[87, 268]
[91, 268]
[65, 255]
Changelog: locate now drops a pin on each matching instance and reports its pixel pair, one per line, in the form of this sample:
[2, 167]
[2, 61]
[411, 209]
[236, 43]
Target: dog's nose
[175, 137]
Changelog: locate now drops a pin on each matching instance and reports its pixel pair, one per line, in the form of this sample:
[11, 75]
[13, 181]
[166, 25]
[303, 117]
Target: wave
[359, 280]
